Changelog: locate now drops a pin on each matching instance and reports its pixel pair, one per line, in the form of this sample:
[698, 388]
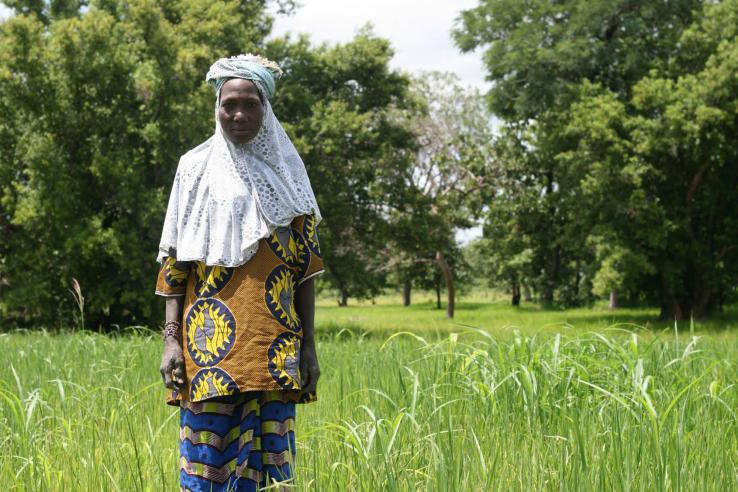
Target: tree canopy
[99, 100]
[618, 174]
[338, 103]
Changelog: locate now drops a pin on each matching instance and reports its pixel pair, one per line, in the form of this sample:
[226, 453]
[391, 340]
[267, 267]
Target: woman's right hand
[172, 367]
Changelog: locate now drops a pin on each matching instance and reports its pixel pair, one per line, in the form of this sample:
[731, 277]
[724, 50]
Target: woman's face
[240, 112]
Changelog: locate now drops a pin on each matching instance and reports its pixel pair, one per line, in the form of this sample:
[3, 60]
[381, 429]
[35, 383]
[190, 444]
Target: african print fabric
[241, 330]
[237, 443]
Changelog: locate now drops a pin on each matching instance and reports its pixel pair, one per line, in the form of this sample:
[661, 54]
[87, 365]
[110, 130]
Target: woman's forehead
[238, 86]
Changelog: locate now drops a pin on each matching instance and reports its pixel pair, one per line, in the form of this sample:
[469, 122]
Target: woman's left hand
[309, 368]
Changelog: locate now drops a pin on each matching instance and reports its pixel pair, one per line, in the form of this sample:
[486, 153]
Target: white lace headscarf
[225, 196]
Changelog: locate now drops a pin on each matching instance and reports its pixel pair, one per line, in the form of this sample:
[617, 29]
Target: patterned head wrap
[260, 71]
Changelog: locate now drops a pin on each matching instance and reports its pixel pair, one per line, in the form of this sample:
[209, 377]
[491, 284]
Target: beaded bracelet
[172, 329]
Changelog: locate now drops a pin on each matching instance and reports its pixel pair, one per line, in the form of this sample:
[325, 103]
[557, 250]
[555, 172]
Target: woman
[239, 251]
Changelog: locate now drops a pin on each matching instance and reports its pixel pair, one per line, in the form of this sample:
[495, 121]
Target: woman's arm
[305, 305]
[172, 366]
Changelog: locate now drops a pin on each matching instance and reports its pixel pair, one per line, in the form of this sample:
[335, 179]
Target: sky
[419, 30]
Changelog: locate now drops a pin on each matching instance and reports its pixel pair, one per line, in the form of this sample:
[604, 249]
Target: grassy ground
[488, 311]
[536, 400]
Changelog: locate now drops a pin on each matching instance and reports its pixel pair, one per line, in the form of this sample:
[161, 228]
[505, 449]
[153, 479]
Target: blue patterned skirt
[239, 443]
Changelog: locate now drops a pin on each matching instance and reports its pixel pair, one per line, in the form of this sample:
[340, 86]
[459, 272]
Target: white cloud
[420, 31]
[5, 12]
[465, 236]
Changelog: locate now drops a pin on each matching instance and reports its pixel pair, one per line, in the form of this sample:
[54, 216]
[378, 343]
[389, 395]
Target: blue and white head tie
[260, 71]
[226, 197]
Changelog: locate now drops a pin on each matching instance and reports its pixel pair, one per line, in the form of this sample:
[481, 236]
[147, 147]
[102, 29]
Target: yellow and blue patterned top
[241, 331]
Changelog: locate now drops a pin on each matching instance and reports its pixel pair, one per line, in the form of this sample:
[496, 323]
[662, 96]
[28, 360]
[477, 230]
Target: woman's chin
[240, 138]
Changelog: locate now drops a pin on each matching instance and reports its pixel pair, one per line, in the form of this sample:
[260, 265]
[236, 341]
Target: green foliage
[443, 189]
[95, 110]
[98, 106]
[619, 267]
[615, 168]
[336, 103]
[538, 51]
[667, 154]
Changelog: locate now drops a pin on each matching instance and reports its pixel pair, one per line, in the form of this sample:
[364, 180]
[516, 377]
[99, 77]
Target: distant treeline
[610, 172]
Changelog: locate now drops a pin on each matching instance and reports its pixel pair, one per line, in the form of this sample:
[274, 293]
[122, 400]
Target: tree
[667, 153]
[336, 102]
[454, 137]
[547, 60]
[96, 106]
[537, 52]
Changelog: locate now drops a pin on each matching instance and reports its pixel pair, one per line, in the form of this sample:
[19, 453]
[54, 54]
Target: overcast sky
[420, 31]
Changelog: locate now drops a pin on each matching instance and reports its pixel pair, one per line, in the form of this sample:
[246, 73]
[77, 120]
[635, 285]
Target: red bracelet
[172, 329]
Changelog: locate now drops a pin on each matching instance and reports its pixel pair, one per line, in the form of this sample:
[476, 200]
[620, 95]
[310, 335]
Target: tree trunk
[547, 296]
[515, 294]
[613, 304]
[344, 297]
[406, 288]
[552, 276]
[696, 303]
[670, 308]
[437, 281]
[554, 253]
[701, 301]
[527, 296]
[449, 284]
[719, 299]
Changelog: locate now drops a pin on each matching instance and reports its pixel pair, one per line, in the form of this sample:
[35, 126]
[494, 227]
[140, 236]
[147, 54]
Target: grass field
[531, 400]
[491, 312]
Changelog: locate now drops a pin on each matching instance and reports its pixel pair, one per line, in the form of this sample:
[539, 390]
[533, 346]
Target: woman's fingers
[304, 373]
[166, 373]
[179, 372]
[172, 365]
[309, 369]
[310, 379]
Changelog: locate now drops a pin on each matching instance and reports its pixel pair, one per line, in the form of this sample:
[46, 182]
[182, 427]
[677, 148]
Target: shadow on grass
[460, 306]
[717, 322]
[349, 330]
[424, 318]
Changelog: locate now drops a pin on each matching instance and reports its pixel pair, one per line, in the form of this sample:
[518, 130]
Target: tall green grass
[606, 410]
